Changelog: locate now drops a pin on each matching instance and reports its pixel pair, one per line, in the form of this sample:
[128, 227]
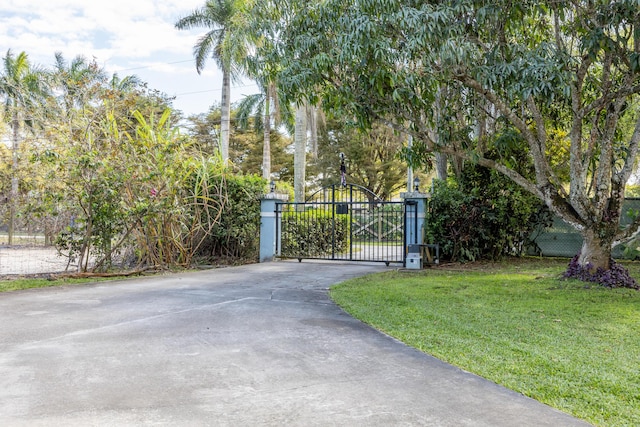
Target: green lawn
[30, 283]
[572, 346]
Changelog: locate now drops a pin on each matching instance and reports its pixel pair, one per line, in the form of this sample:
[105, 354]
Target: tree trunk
[266, 148]
[225, 115]
[313, 128]
[15, 127]
[441, 166]
[300, 154]
[442, 160]
[410, 168]
[596, 250]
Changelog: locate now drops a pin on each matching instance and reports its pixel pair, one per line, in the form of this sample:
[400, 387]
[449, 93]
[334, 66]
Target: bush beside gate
[313, 232]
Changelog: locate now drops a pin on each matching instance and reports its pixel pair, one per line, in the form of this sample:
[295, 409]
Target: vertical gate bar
[311, 214]
[372, 237]
[350, 229]
[393, 234]
[302, 213]
[333, 222]
[278, 236]
[380, 241]
[350, 220]
[400, 236]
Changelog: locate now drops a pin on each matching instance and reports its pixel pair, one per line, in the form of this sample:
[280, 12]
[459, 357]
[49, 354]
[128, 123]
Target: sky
[123, 36]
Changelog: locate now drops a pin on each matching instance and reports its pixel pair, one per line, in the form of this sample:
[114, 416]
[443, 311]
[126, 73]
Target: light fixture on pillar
[272, 186]
[416, 184]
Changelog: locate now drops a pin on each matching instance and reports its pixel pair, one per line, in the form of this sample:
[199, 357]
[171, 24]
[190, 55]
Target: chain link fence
[562, 240]
[29, 255]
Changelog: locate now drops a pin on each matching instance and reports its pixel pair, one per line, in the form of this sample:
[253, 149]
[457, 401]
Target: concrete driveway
[245, 346]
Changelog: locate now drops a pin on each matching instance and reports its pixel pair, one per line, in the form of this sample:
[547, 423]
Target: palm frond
[251, 106]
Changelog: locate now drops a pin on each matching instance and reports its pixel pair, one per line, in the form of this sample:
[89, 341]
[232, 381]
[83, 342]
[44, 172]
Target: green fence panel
[562, 240]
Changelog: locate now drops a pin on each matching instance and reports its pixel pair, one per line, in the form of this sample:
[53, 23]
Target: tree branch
[532, 139]
[632, 153]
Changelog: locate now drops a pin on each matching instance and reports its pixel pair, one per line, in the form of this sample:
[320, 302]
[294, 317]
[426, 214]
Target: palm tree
[77, 80]
[265, 109]
[22, 88]
[217, 16]
[300, 153]
[307, 117]
[125, 84]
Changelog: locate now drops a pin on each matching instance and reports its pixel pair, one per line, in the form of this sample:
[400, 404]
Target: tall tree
[23, 87]
[79, 81]
[371, 157]
[223, 46]
[264, 109]
[266, 21]
[539, 66]
[245, 141]
[300, 154]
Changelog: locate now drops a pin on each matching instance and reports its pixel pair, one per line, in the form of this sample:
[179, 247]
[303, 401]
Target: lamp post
[272, 186]
[416, 184]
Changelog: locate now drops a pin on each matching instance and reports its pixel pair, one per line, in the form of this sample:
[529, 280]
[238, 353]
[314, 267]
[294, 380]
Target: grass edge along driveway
[573, 346]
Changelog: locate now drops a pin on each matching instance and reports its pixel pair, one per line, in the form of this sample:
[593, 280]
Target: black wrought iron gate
[343, 223]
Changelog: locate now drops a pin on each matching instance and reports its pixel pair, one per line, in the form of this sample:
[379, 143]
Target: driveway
[245, 346]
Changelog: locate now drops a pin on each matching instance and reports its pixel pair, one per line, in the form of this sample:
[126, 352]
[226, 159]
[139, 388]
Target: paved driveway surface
[253, 345]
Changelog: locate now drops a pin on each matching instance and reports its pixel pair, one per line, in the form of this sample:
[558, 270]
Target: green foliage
[115, 184]
[564, 75]
[157, 202]
[371, 157]
[632, 190]
[245, 145]
[236, 233]
[145, 195]
[314, 232]
[451, 221]
[485, 216]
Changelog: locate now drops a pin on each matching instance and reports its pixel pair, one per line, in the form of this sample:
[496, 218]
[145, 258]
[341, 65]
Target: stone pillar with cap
[415, 208]
[269, 226]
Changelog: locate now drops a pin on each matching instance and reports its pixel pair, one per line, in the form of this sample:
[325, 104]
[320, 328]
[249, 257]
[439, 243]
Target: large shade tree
[539, 66]
[223, 45]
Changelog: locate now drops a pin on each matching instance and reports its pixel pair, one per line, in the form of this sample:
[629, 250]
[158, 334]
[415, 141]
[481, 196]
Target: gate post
[415, 203]
[269, 225]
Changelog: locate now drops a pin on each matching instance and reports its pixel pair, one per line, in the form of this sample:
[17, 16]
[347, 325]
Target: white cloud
[125, 36]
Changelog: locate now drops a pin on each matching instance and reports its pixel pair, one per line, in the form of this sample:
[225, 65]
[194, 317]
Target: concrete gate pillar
[415, 208]
[269, 226]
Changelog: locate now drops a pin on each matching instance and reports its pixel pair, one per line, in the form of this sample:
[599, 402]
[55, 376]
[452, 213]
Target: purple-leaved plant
[616, 277]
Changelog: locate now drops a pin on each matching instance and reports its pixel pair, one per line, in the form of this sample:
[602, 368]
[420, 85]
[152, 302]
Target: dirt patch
[31, 260]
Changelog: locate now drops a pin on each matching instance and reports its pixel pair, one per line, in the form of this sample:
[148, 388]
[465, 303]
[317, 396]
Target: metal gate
[343, 223]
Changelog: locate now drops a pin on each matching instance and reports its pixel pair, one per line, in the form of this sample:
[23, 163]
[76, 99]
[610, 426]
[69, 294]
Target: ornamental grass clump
[615, 277]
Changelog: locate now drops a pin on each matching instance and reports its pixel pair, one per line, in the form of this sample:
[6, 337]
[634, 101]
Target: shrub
[451, 220]
[483, 216]
[236, 233]
[313, 232]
